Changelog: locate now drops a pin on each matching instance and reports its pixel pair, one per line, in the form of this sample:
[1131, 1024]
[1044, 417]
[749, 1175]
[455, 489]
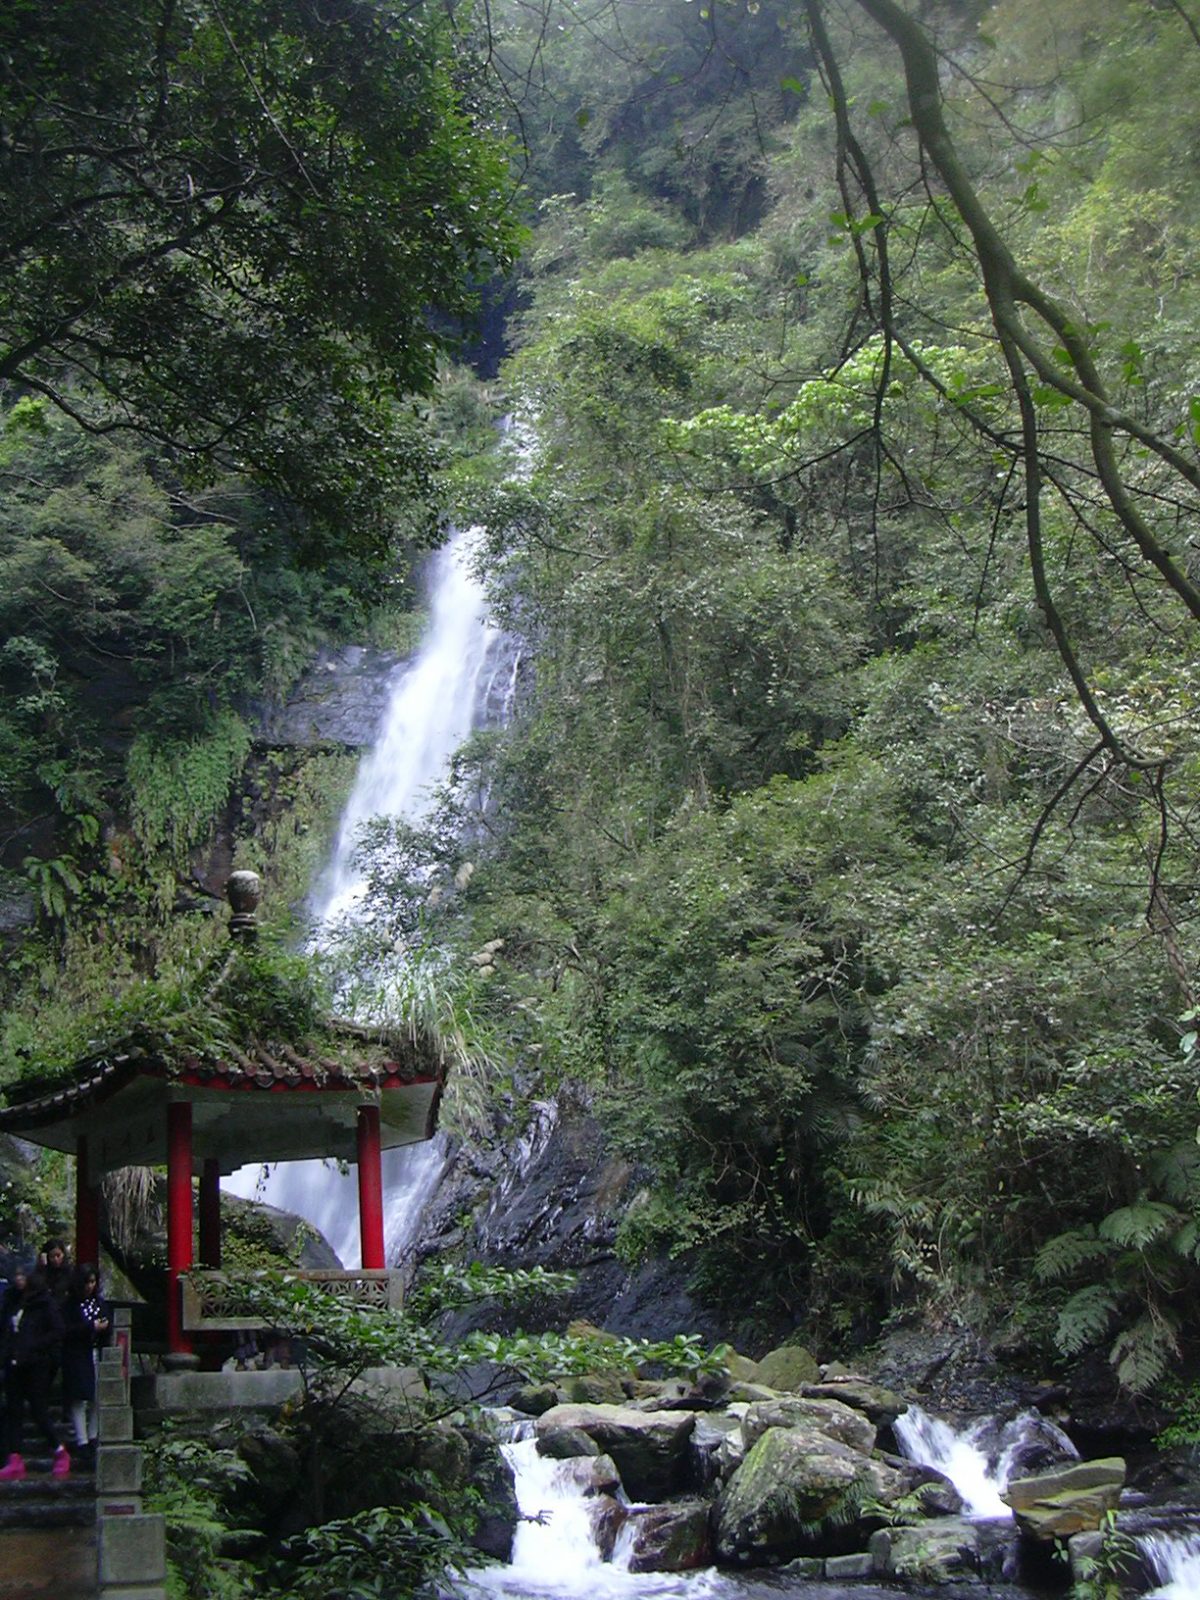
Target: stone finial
[243, 890]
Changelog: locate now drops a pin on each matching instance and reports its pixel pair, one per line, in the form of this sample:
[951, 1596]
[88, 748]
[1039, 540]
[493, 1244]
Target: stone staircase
[48, 1531]
[85, 1537]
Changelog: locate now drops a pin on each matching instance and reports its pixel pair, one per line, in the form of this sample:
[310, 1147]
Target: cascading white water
[461, 677]
[556, 1552]
[1175, 1561]
[979, 1460]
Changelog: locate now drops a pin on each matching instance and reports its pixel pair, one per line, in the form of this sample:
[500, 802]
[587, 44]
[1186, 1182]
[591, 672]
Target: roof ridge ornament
[243, 890]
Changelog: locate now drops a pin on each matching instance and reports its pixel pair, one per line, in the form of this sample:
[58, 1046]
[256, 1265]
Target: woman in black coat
[30, 1341]
[85, 1327]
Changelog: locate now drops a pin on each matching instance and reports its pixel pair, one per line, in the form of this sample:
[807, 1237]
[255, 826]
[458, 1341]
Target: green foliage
[195, 1486]
[386, 1551]
[272, 308]
[179, 787]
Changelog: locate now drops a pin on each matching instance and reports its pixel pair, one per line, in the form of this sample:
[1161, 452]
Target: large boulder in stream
[650, 1448]
[1075, 1499]
[945, 1550]
[792, 1411]
[673, 1538]
[799, 1492]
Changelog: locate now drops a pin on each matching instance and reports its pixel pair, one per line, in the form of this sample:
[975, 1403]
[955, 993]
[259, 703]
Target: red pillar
[179, 1218]
[87, 1208]
[370, 1187]
[210, 1213]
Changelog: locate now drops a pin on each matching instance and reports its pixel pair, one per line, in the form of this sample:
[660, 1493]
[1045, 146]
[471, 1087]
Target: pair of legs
[28, 1385]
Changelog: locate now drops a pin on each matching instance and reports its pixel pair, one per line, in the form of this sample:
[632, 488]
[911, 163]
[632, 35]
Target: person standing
[30, 1343]
[85, 1328]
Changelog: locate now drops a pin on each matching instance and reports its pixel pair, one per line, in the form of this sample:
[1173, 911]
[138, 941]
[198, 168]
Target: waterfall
[1174, 1560]
[462, 677]
[981, 1459]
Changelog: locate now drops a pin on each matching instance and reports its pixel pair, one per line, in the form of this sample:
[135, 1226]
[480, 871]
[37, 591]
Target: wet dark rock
[709, 1464]
[589, 1475]
[649, 1448]
[945, 1550]
[339, 700]
[672, 1538]
[534, 1398]
[553, 1197]
[564, 1443]
[492, 1476]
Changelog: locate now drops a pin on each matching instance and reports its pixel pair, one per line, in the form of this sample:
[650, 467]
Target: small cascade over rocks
[983, 1458]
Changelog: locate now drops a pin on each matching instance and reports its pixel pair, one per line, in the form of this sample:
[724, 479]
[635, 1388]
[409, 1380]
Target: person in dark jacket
[85, 1328]
[30, 1342]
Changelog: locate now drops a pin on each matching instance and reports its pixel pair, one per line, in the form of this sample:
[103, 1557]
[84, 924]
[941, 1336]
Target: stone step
[43, 1564]
[36, 1514]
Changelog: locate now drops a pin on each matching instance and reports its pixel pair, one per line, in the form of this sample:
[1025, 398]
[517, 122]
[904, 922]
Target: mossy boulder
[787, 1369]
[793, 1411]
[1070, 1500]
[799, 1492]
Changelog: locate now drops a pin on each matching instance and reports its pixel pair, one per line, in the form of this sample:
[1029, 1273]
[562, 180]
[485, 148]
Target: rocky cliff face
[554, 1197]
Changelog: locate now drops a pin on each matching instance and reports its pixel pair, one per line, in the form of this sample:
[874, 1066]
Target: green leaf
[1085, 1319]
[1140, 1224]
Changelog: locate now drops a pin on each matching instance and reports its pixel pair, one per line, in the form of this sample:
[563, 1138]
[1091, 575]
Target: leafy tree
[230, 229]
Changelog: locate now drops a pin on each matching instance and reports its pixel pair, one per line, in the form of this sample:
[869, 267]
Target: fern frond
[1059, 1257]
[1176, 1171]
[1084, 1319]
[1134, 1227]
[1185, 1241]
[1142, 1354]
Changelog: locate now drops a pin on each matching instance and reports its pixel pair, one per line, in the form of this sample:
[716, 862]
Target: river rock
[564, 1443]
[649, 1447]
[796, 1493]
[1055, 1505]
[671, 1538]
[829, 1416]
[589, 1475]
[594, 1389]
[787, 1368]
[534, 1398]
[710, 1462]
[881, 1406]
[943, 1550]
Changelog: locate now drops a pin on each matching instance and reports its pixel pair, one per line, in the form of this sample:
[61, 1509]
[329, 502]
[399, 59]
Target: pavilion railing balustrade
[222, 1301]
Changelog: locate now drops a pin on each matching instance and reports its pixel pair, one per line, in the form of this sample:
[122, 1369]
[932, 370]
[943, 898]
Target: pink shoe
[62, 1463]
[13, 1468]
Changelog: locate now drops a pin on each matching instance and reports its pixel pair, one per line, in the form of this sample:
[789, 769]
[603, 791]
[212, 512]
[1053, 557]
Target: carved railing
[220, 1301]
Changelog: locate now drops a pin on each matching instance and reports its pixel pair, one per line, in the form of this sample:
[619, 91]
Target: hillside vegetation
[845, 844]
[843, 847]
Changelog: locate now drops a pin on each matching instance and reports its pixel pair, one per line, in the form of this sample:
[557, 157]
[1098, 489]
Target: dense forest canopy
[843, 845]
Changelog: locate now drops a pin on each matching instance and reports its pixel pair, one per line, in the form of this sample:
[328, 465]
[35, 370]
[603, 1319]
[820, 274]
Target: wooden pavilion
[351, 1095]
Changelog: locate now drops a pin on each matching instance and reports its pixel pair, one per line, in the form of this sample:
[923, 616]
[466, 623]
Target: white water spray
[1175, 1562]
[556, 1551]
[462, 676]
[978, 1461]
